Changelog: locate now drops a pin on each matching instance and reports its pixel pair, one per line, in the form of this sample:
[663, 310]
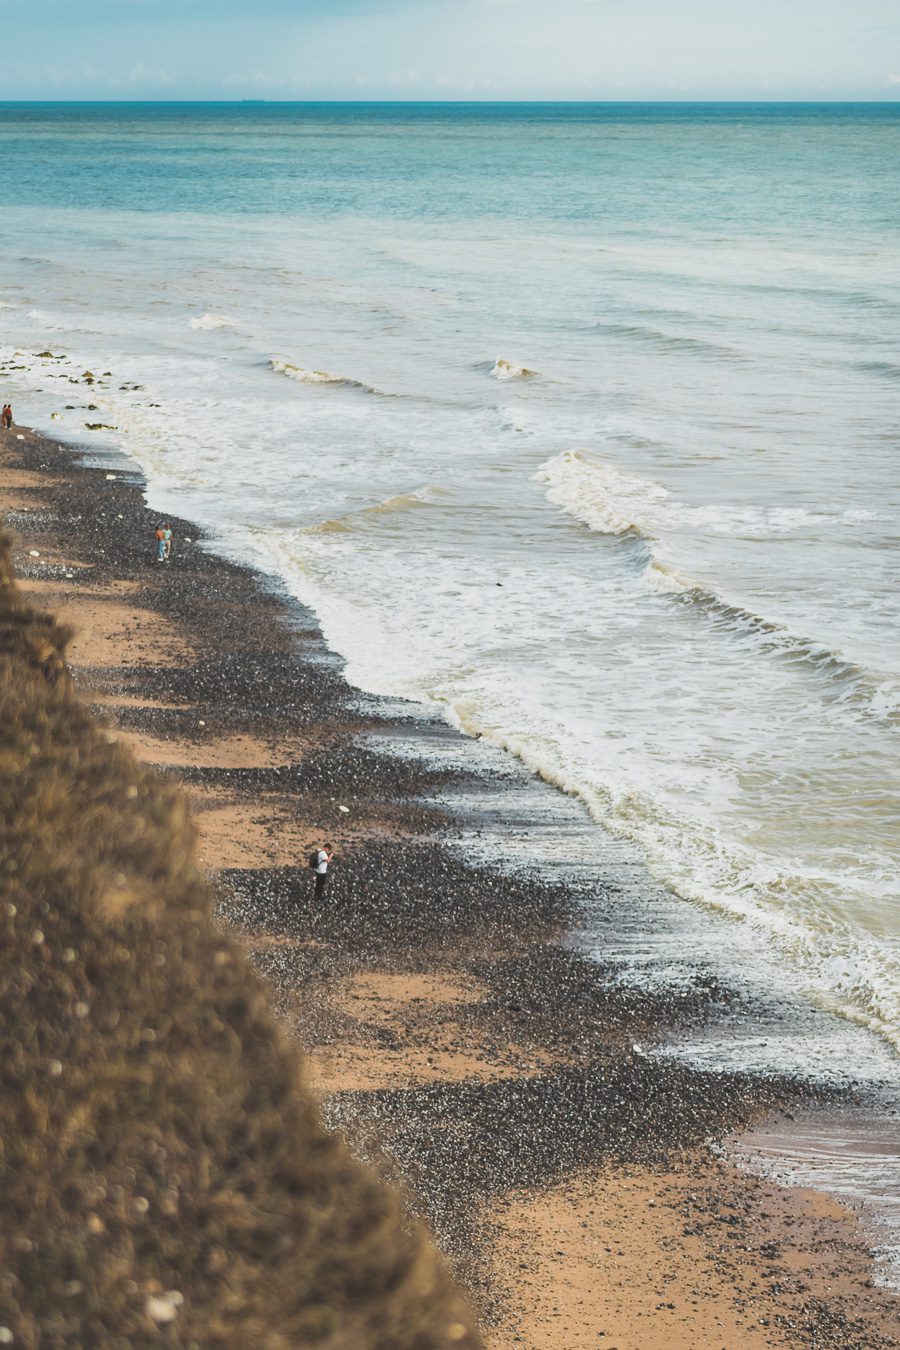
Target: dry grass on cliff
[164, 1176]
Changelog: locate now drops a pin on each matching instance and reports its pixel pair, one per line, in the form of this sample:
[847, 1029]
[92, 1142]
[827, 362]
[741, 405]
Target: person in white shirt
[325, 857]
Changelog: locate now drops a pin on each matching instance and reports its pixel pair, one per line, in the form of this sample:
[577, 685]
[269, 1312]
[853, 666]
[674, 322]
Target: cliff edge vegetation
[164, 1174]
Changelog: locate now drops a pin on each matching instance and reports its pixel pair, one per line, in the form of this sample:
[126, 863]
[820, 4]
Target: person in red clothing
[163, 542]
[6, 416]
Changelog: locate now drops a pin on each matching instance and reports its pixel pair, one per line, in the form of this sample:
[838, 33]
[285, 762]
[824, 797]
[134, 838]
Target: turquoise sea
[578, 421]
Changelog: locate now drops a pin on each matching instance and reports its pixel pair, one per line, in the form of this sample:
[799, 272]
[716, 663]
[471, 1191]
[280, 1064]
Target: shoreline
[567, 1177]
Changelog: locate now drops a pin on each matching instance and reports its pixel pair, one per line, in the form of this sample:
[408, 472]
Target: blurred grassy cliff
[164, 1174]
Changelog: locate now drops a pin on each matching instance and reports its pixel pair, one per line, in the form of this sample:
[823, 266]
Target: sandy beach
[488, 1067]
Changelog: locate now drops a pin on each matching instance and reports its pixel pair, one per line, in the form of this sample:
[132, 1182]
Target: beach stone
[162, 1309]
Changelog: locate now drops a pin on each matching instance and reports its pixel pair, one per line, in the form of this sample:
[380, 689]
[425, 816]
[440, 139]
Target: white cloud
[456, 48]
[406, 79]
[139, 74]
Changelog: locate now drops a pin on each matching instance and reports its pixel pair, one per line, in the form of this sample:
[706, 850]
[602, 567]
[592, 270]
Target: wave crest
[670, 342]
[615, 503]
[209, 323]
[600, 496]
[304, 375]
[508, 370]
[425, 496]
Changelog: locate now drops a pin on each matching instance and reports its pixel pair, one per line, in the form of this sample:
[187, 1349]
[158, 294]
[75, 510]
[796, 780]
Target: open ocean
[579, 421]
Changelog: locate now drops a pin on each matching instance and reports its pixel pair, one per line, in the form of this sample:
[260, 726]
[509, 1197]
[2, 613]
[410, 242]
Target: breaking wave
[209, 323]
[403, 501]
[616, 503]
[305, 376]
[508, 370]
[599, 495]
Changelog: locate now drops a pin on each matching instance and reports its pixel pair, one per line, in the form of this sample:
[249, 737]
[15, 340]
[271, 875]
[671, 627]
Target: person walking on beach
[163, 542]
[322, 857]
[6, 416]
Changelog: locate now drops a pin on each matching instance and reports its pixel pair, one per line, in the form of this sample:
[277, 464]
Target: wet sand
[489, 1069]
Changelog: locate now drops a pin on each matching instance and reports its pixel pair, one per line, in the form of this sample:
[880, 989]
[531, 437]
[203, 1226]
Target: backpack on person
[314, 861]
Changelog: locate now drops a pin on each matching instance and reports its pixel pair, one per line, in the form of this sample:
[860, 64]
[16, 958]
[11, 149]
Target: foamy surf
[304, 375]
[210, 323]
[666, 580]
[398, 504]
[851, 974]
[599, 495]
[508, 370]
[613, 502]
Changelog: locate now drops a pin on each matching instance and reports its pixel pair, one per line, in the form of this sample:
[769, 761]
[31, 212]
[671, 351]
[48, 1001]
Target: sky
[451, 49]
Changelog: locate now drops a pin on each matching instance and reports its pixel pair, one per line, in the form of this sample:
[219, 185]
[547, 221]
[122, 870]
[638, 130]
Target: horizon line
[451, 102]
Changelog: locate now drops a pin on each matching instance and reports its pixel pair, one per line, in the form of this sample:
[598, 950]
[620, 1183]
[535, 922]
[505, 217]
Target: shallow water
[651, 941]
[580, 422]
[853, 1154]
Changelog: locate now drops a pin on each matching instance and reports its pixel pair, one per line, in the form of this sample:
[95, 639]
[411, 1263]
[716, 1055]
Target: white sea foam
[54, 323]
[210, 323]
[666, 580]
[853, 975]
[600, 495]
[304, 375]
[610, 500]
[509, 370]
[617, 503]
